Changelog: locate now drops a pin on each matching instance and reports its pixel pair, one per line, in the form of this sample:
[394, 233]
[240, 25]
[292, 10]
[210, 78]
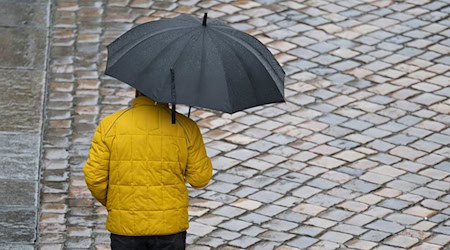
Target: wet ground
[357, 158]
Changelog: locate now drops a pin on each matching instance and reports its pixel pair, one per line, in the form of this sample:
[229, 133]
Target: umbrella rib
[225, 75]
[242, 64]
[266, 65]
[163, 49]
[267, 53]
[202, 69]
[126, 50]
[183, 50]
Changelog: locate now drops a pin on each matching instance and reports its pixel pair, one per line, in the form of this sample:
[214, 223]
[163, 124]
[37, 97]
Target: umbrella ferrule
[204, 19]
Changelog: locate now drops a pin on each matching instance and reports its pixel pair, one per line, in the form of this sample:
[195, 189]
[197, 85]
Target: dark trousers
[157, 242]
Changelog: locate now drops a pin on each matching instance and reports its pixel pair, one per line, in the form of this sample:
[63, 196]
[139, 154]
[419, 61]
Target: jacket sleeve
[199, 167]
[96, 169]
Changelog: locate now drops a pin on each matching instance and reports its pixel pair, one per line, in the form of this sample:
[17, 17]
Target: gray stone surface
[18, 193]
[20, 156]
[23, 60]
[17, 225]
[23, 47]
[19, 13]
[21, 100]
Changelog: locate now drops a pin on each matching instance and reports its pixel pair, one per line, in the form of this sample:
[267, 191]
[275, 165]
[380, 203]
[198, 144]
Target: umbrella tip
[204, 19]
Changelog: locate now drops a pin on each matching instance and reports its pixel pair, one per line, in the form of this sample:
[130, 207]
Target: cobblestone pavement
[358, 156]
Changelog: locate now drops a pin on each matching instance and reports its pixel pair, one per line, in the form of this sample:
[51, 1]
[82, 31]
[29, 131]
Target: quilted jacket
[138, 166]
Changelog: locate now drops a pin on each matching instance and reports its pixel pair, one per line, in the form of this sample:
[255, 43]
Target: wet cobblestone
[358, 156]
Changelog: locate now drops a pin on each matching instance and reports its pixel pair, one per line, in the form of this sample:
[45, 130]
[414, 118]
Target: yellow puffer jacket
[138, 165]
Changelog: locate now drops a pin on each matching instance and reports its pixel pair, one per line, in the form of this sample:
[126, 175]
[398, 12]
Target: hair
[139, 93]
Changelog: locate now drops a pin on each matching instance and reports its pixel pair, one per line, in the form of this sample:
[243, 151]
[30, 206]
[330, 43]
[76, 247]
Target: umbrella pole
[174, 94]
[173, 112]
[189, 113]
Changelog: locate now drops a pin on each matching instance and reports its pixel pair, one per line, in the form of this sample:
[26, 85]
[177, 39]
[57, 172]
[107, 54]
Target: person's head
[138, 93]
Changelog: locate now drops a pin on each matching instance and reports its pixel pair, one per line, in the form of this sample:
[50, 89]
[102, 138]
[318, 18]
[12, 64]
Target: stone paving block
[21, 116]
[276, 236]
[253, 231]
[25, 47]
[223, 162]
[282, 186]
[244, 241]
[276, 172]
[374, 235]
[353, 206]
[308, 209]
[225, 234]
[305, 191]
[349, 229]
[296, 177]
[403, 219]
[336, 237]
[229, 211]
[428, 192]
[19, 153]
[270, 210]
[287, 201]
[360, 186]
[326, 162]
[385, 226]
[321, 182]
[302, 242]
[258, 181]
[241, 154]
[211, 242]
[426, 246]
[361, 244]
[388, 192]
[394, 204]
[222, 187]
[234, 224]
[17, 225]
[22, 14]
[336, 176]
[229, 178]
[420, 211]
[211, 220]
[324, 200]
[25, 196]
[434, 204]
[401, 241]
[360, 219]
[247, 204]
[254, 218]
[279, 225]
[324, 245]
[319, 222]
[375, 178]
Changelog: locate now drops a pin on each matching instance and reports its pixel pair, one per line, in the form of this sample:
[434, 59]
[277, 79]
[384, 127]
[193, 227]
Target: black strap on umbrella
[174, 94]
[189, 113]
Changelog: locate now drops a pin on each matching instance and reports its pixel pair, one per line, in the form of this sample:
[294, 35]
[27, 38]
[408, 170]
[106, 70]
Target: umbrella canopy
[206, 64]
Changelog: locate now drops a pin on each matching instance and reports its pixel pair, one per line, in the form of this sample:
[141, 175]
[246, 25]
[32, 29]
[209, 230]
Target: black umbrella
[183, 60]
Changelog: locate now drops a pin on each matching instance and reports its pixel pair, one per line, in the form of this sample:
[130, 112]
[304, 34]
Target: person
[138, 166]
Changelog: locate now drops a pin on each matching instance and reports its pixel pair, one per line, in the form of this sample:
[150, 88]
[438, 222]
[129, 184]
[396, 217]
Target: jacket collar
[144, 100]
